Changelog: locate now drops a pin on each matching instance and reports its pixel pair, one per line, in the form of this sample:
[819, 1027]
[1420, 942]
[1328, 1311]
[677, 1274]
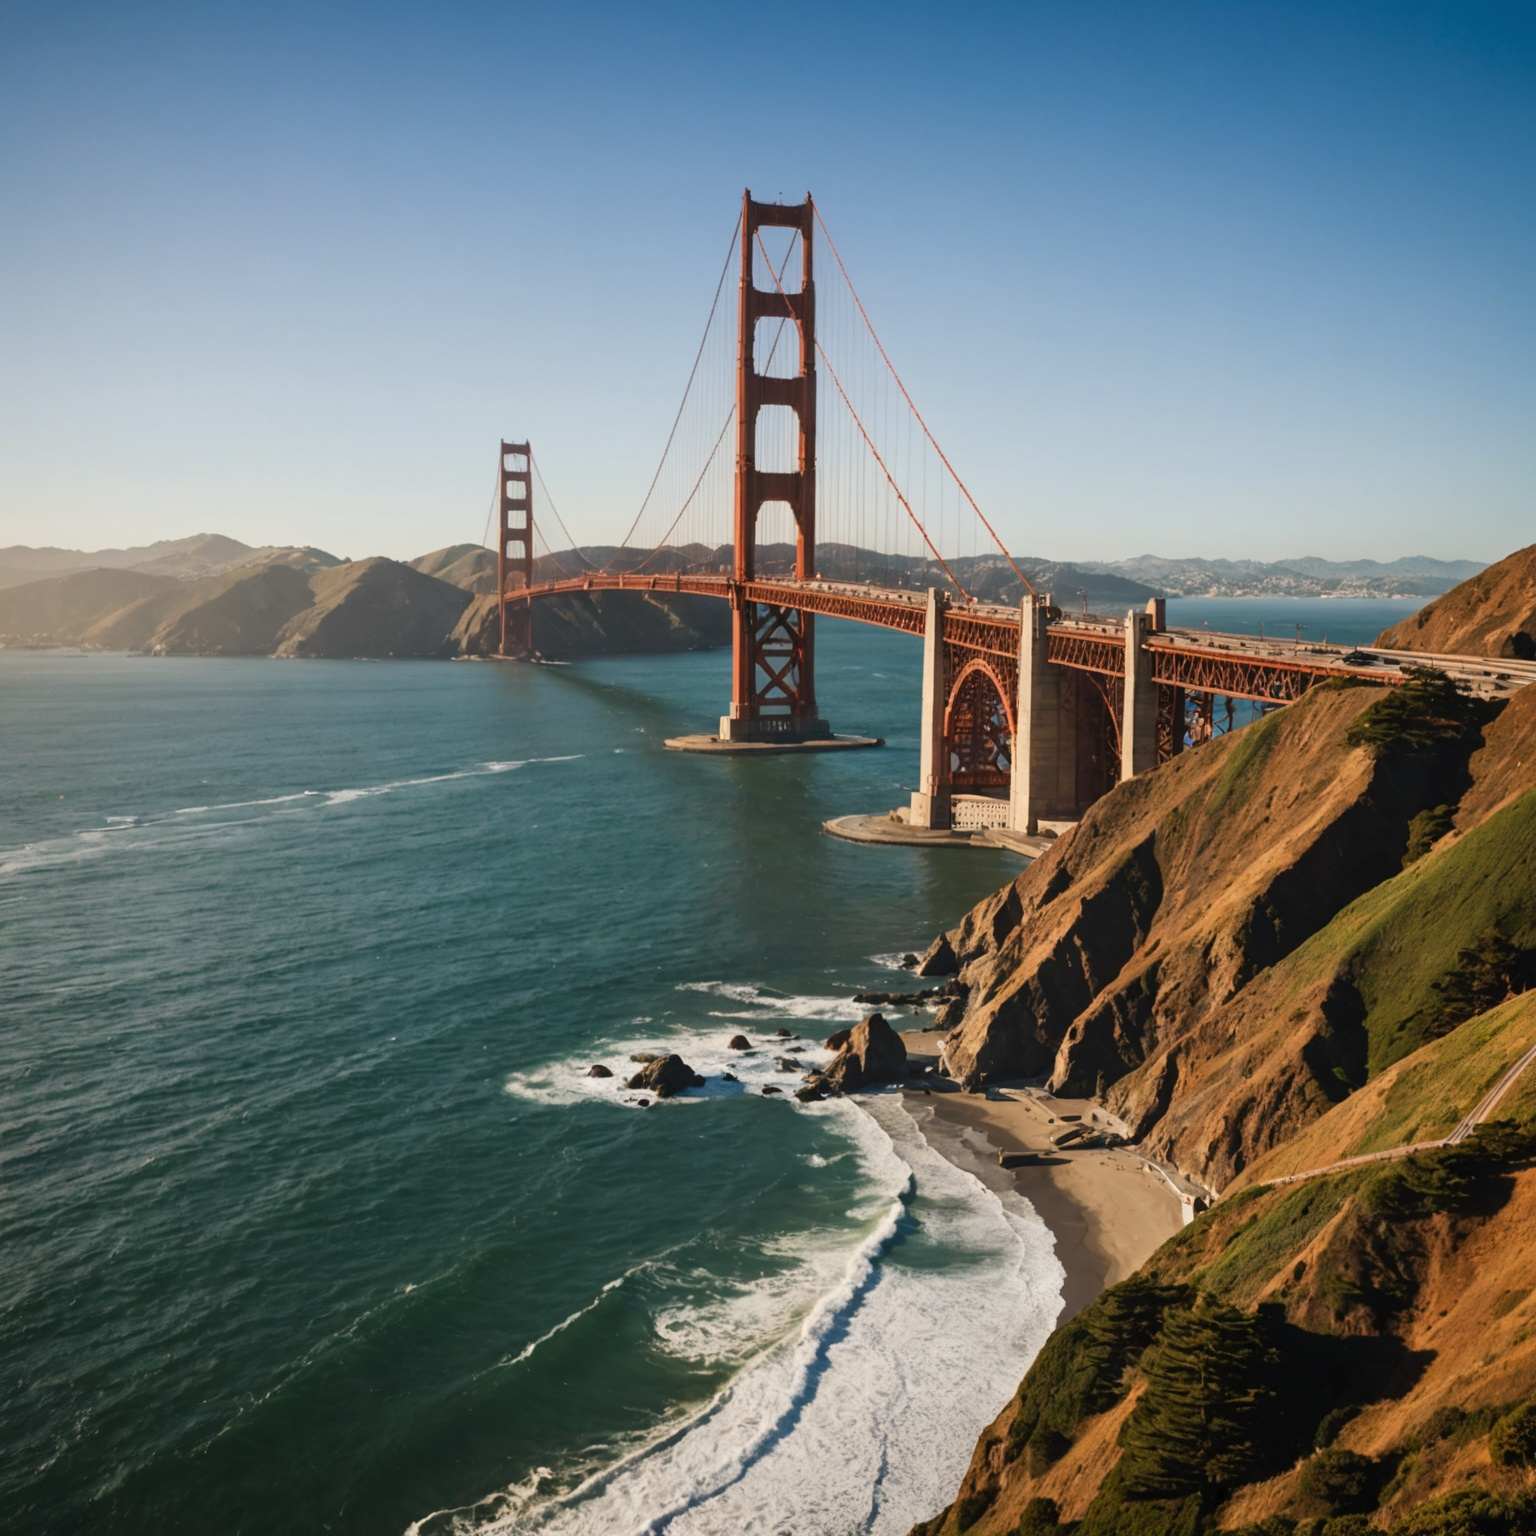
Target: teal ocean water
[312, 1220]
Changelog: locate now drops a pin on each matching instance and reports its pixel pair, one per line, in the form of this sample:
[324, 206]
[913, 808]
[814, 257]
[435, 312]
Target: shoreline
[1106, 1209]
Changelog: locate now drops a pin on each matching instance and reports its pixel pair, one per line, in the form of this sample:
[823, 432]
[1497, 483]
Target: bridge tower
[773, 674]
[514, 545]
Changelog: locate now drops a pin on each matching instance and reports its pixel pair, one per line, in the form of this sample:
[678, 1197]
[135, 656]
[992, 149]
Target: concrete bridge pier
[1138, 718]
[1044, 768]
[930, 807]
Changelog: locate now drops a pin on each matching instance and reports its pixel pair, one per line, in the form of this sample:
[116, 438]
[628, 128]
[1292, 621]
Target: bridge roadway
[1235, 666]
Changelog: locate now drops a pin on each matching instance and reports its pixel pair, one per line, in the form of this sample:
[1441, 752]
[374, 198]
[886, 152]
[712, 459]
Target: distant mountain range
[1305, 576]
[212, 595]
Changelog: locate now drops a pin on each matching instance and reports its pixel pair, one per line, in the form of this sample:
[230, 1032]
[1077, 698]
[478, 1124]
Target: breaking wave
[864, 1372]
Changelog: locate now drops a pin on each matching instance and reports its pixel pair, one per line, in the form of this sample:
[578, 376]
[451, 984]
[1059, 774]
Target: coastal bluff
[1299, 964]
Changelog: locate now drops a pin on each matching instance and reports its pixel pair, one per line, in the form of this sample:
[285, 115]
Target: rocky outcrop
[665, 1076]
[1492, 614]
[873, 1053]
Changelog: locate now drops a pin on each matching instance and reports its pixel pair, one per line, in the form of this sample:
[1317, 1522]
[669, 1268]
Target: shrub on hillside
[1424, 831]
[1207, 1419]
[1513, 1441]
[1422, 716]
[1081, 1371]
[1343, 1481]
[1332, 1422]
[1486, 973]
[1041, 1517]
[1471, 1512]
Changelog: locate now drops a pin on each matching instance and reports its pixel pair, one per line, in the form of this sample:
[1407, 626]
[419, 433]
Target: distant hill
[306, 603]
[1493, 614]
[67, 606]
[1305, 576]
[201, 554]
[471, 566]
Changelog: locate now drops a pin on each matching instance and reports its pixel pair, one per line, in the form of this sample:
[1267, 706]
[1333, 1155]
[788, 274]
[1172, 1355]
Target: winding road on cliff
[1482, 1111]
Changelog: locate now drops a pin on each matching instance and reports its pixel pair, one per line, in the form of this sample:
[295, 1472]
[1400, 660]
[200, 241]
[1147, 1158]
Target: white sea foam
[707, 1051]
[863, 1418]
[892, 962]
[767, 1006]
[175, 829]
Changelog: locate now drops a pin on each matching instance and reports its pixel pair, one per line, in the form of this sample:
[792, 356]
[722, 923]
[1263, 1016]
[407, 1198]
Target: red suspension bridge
[840, 502]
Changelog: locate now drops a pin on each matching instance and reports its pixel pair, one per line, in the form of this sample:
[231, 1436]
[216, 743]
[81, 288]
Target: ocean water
[312, 1219]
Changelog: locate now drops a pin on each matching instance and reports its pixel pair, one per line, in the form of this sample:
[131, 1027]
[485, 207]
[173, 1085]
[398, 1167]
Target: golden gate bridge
[840, 502]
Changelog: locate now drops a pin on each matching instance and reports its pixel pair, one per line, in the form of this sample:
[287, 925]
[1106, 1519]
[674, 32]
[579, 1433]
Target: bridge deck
[1238, 666]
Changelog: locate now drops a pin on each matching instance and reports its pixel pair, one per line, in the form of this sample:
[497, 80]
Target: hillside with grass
[1349, 1355]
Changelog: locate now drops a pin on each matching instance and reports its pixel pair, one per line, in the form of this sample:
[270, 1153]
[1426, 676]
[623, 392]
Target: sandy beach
[1107, 1209]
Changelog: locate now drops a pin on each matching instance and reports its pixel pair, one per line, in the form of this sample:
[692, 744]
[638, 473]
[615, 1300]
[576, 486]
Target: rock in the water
[873, 1053]
[665, 1076]
[838, 1039]
[815, 1089]
[784, 1034]
[909, 962]
[598, 1070]
[729, 1077]
[940, 959]
[770, 1088]
[739, 1043]
[643, 1103]
[787, 1064]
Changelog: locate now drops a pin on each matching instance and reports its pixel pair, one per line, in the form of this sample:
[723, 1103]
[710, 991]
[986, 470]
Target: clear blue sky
[1237, 278]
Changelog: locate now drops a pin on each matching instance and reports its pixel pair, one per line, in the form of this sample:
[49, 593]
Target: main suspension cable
[730, 416]
[549, 501]
[692, 372]
[912, 404]
[869, 442]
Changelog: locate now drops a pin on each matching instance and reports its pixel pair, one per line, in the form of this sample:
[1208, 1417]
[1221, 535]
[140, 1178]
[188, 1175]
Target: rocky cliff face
[1135, 959]
[1493, 614]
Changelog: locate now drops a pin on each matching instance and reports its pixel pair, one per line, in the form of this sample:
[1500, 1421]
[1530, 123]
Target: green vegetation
[1041, 1517]
[1425, 830]
[973, 1506]
[1393, 944]
[1344, 1482]
[1471, 1512]
[1206, 1419]
[1429, 1095]
[1246, 757]
[1271, 1238]
[1081, 1371]
[1426, 716]
[1513, 1441]
[1487, 972]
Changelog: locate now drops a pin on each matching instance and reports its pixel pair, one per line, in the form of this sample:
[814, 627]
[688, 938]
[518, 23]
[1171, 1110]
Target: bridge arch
[979, 727]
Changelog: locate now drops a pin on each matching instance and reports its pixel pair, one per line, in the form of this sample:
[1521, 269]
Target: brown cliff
[1493, 614]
